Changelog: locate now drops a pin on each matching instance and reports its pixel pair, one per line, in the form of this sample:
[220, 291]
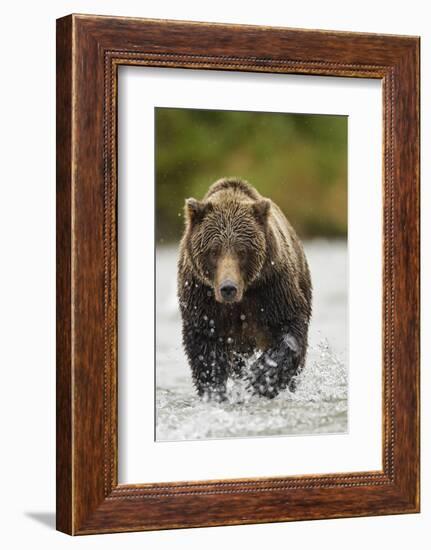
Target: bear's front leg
[208, 362]
[276, 368]
[210, 372]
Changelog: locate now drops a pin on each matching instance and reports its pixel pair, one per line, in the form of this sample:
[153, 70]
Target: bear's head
[227, 244]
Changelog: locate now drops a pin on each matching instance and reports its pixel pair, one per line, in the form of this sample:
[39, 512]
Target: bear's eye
[242, 253]
[213, 253]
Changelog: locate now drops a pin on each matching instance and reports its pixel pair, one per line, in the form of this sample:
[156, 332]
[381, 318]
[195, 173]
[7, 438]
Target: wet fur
[274, 312]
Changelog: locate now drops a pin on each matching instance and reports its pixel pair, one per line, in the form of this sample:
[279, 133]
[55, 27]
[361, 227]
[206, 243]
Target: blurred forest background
[297, 160]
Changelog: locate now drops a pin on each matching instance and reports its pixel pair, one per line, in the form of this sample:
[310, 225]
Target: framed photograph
[237, 274]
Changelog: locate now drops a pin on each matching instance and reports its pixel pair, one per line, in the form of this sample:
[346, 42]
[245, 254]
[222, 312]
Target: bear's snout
[228, 290]
[228, 283]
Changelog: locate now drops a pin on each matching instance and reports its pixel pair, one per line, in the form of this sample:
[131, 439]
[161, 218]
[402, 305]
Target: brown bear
[244, 291]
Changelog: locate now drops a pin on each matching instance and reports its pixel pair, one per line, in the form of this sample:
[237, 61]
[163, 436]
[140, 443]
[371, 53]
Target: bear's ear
[261, 210]
[195, 210]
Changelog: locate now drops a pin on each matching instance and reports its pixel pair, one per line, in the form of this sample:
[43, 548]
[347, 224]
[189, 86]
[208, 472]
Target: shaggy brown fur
[244, 287]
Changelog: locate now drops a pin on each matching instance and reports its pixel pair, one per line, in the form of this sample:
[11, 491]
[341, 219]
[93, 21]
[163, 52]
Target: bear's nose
[228, 290]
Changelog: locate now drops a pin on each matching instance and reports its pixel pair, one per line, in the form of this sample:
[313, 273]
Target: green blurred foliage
[299, 161]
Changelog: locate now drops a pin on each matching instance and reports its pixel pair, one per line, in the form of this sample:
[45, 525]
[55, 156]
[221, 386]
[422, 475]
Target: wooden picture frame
[89, 51]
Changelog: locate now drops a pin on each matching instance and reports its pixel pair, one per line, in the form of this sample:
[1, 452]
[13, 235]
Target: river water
[319, 404]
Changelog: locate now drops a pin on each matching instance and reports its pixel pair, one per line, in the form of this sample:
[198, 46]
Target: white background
[27, 124]
[141, 458]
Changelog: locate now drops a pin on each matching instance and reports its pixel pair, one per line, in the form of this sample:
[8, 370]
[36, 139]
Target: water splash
[319, 405]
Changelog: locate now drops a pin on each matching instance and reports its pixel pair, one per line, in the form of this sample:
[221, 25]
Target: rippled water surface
[319, 404]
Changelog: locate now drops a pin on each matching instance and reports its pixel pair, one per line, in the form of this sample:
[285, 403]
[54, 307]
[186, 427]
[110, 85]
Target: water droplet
[242, 317]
